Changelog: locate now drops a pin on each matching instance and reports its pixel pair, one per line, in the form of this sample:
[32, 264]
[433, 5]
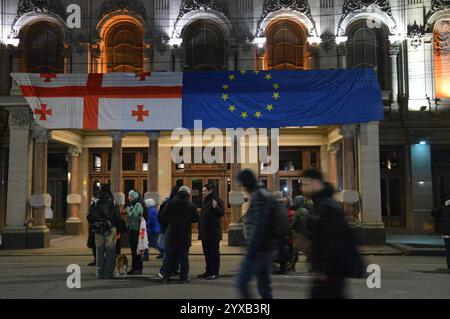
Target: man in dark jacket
[443, 223]
[260, 243]
[334, 255]
[210, 231]
[177, 219]
[104, 217]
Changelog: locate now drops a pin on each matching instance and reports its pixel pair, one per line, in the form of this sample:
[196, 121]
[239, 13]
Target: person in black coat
[210, 231]
[334, 255]
[177, 219]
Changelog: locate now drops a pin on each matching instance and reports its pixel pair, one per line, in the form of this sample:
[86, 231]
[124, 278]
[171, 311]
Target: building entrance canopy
[226, 99]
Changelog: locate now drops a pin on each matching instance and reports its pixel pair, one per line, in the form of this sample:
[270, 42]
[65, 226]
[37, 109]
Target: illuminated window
[43, 49]
[368, 48]
[442, 58]
[286, 46]
[125, 48]
[205, 47]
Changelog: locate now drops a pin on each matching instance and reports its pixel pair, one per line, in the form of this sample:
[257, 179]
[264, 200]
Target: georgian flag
[125, 101]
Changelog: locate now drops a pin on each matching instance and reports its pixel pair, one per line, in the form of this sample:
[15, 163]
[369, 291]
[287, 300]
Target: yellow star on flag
[258, 115]
[276, 86]
[268, 77]
[225, 97]
[232, 108]
[276, 95]
[256, 72]
[269, 107]
[225, 87]
[244, 115]
[243, 72]
[232, 77]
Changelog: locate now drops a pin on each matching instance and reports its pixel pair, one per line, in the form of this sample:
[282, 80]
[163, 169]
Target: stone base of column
[25, 238]
[73, 226]
[236, 235]
[369, 234]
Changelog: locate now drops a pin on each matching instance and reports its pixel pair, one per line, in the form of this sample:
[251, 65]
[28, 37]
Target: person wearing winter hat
[134, 212]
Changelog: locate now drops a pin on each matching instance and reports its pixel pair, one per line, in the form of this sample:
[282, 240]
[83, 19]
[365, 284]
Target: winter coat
[152, 222]
[134, 212]
[333, 249]
[443, 219]
[103, 208]
[209, 226]
[257, 222]
[177, 219]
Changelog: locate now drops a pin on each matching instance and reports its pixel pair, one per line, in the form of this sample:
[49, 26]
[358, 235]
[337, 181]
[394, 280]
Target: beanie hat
[134, 194]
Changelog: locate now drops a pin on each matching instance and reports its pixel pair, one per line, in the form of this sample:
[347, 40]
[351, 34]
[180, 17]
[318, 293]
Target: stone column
[16, 54]
[394, 49]
[116, 166]
[153, 167]
[274, 178]
[14, 232]
[40, 200]
[73, 223]
[342, 55]
[67, 57]
[349, 193]
[148, 58]
[372, 227]
[313, 50]
[236, 199]
[334, 174]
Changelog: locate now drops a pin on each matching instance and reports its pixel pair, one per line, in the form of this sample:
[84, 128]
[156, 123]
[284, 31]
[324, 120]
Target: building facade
[390, 174]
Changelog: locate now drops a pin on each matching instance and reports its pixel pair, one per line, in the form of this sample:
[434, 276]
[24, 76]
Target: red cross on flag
[122, 101]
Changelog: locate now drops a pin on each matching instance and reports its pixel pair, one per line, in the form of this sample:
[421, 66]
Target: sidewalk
[63, 245]
[417, 245]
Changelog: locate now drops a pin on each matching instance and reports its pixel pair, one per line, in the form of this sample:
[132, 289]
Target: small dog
[121, 266]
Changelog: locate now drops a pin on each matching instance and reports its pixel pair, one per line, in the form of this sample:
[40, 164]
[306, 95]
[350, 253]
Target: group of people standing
[317, 228]
[169, 230]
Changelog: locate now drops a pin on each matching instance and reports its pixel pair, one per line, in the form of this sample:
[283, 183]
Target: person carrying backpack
[334, 256]
[104, 218]
[135, 212]
[259, 240]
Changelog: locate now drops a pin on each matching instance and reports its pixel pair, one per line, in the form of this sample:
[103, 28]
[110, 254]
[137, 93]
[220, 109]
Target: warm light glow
[441, 64]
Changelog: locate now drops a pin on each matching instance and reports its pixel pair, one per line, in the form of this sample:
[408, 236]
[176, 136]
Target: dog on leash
[121, 266]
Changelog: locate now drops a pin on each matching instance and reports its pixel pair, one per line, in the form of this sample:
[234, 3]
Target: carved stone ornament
[117, 135]
[41, 6]
[247, 41]
[442, 38]
[356, 5]
[301, 6]
[135, 6]
[202, 5]
[19, 118]
[394, 49]
[348, 130]
[328, 41]
[41, 134]
[342, 49]
[415, 33]
[96, 51]
[437, 5]
[74, 151]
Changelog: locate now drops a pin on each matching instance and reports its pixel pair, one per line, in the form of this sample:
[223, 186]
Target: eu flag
[273, 99]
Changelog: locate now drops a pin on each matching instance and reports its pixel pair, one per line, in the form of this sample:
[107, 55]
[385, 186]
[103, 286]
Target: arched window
[43, 49]
[205, 46]
[125, 48]
[442, 58]
[285, 46]
[368, 48]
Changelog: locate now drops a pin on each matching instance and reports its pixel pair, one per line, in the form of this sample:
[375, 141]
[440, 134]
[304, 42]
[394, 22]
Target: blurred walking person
[334, 256]
[443, 226]
[260, 244]
[210, 231]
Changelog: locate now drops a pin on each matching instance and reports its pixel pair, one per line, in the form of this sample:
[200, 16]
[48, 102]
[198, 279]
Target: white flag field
[124, 101]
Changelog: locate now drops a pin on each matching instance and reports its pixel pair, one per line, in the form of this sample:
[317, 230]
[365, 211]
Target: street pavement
[46, 276]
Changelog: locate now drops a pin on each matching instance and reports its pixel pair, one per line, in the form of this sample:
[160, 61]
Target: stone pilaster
[116, 166]
[236, 198]
[73, 223]
[342, 55]
[14, 232]
[394, 50]
[334, 174]
[153, 167]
